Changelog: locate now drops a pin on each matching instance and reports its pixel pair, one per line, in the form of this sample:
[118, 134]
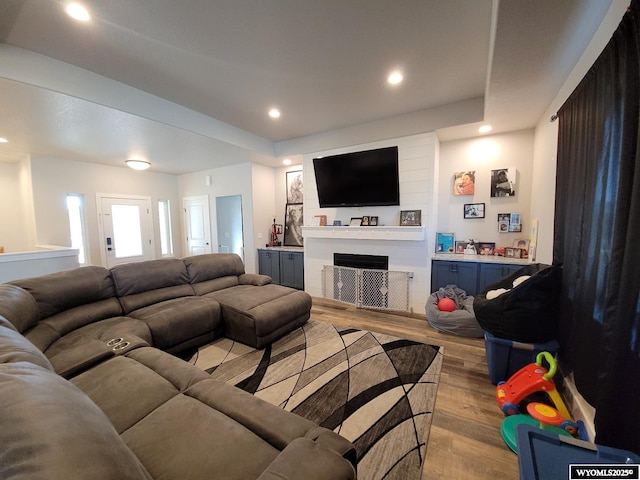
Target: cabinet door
[491, 273]
[292, 269]
[269, 264]
[461, 274]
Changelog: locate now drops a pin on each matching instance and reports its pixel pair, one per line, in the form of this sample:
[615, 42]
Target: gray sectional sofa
[88, 390]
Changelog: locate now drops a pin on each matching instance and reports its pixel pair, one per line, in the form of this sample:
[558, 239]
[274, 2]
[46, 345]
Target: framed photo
[410, 217]
[294, 187]
[503, 182]
[373, 221]
[293, 219]
[521, 243]
[513, 227]
[355, 221]
[474, 210]
[513, 252]
[464, 183]
[461, 246]
[445, 242]
[365, 221]
[486, 248]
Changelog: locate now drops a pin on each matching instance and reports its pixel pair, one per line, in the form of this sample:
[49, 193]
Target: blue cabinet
[472, 277]
[283, 266]
[462, 274]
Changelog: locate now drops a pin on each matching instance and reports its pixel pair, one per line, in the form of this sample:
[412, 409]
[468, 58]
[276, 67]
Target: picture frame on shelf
[473, 210]
[521, 243]
[410, 218]
[511, 252]
[461, 246]
[445, 242]
[355, 222]
[373, 221]
[486, 248]
[365, 221]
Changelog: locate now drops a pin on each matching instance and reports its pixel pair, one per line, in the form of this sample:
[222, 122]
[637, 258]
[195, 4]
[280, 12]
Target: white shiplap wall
[417, 164]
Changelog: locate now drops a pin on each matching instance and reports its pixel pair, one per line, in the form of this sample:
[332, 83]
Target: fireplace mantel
[366, 233]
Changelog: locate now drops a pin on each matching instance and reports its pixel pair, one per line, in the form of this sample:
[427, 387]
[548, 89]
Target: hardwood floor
[465, 441]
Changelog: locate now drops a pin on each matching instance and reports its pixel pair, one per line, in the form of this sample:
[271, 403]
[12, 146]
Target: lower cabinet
[472, 277]
[283, 266]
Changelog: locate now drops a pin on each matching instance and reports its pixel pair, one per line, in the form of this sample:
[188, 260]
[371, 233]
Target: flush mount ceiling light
[274, 113]
[395, 78]
[3, 140]
[138, 164]
[78, 12]
[286, 161]
[485, 128]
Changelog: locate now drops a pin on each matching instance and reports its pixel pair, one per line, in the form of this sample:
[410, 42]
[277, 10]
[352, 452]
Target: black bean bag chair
[461, 321]
[527, 312]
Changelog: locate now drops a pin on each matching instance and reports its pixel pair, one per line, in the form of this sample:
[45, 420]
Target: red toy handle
[552, 364]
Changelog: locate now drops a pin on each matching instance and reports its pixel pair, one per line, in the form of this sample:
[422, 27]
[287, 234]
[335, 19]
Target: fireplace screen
[367, 288]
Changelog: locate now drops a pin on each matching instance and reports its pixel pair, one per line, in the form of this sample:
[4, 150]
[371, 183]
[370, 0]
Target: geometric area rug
[375, 390]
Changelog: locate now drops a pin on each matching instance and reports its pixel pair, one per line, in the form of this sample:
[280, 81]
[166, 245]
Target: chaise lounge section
[82, 366]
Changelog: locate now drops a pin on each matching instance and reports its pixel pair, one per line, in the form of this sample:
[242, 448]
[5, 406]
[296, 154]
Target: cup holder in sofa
[120, 345]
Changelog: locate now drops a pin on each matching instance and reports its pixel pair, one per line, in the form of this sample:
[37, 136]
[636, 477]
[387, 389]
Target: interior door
[229, 222]
[197, 224]
[125, 229]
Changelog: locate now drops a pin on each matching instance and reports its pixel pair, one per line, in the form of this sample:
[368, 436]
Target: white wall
[484, 154]
[232, 180]
[17, 231]
[54, 178]
[264, 201]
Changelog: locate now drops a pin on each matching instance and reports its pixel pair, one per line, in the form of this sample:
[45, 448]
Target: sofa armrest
[254, 279]
[304, 458]
[72, 361]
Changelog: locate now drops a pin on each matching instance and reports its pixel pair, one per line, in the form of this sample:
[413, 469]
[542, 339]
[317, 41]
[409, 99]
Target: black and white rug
[376, 390]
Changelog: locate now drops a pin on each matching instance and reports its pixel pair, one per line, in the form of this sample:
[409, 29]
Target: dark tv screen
[358, 179]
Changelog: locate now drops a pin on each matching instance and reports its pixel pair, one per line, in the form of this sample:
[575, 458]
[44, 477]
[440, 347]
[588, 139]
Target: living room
[33, 187]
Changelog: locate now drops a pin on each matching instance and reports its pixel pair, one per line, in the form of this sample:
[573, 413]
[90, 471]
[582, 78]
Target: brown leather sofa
[88, 392]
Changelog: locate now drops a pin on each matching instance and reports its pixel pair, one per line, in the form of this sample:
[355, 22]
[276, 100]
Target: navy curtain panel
[597, 236]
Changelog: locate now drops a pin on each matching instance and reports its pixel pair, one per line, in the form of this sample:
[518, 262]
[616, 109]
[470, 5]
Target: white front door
[197, 224]
[125, 229]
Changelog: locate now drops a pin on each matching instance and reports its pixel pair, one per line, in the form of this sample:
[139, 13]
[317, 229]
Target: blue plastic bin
[506, 357]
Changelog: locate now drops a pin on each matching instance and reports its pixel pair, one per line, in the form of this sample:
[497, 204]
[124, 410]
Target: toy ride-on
[528, 380]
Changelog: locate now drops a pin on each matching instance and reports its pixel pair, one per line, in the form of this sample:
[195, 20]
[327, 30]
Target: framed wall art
[293, 225]
[473, 210]
[410, 217]
[294, 187]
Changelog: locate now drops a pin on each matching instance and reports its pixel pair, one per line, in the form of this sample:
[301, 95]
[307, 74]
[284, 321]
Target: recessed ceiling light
[3, 140]
[77, 11]
[274, 113]
[286, 161]
[395, 78]
[485, 128]
[138, 164]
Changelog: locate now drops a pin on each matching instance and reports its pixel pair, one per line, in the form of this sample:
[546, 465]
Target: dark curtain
[597, 236]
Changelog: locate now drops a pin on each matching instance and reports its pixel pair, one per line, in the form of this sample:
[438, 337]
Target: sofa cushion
[15, 348]
[179, 322]
[138, 285]
[56, 431]
[61, 291]
[17, 306]
[201, 268]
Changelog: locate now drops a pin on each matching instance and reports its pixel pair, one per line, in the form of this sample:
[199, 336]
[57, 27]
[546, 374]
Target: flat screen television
[358, 179]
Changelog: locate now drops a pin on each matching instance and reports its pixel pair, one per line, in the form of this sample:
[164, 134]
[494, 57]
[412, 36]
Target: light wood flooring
[465, 441]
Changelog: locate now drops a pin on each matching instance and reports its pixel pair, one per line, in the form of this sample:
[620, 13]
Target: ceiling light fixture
[77, 11]
[485, 128]
[274, 113]
[138, 164]
[395, 78]
[3, 140]
[286, 161]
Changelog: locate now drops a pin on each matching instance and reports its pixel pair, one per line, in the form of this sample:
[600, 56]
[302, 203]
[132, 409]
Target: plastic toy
[528, 380]
[446, 305]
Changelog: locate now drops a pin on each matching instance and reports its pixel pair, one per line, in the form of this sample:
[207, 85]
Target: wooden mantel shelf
[366, 233]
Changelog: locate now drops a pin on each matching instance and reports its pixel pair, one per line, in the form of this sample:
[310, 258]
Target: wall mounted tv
[358, 179]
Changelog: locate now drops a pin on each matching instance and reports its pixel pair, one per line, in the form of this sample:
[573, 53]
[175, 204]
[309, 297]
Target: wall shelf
[366, 233]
